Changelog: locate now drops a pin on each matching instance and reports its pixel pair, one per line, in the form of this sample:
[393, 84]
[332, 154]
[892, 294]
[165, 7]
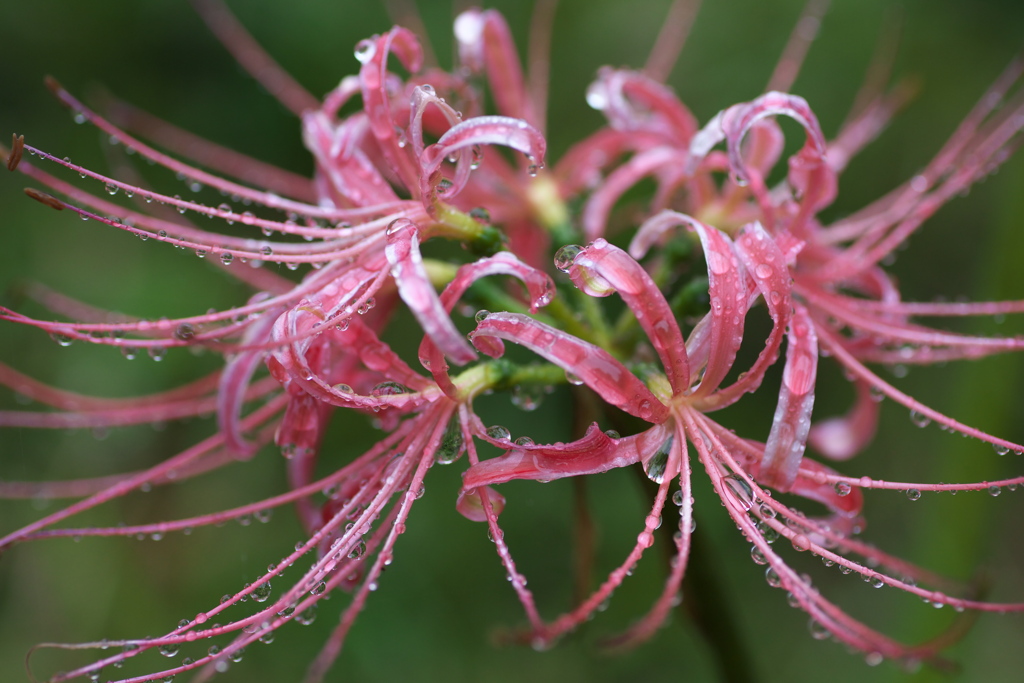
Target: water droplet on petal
[565, 256]
[499, 433]
[365, 50]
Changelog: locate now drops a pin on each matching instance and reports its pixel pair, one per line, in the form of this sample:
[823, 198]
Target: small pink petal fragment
[471, 506]
[840, 438]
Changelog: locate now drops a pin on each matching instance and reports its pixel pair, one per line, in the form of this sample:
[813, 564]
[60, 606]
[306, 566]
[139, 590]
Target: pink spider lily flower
[362, 167]
[414, 161]
[853, 303]
[676, 400]
[352, 535]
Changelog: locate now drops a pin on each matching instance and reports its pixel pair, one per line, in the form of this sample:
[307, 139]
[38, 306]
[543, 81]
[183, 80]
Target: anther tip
[17, 149]
[44, 198]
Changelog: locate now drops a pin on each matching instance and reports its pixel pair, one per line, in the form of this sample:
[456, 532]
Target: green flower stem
[440, 273]
[503, 374]
[480, 238]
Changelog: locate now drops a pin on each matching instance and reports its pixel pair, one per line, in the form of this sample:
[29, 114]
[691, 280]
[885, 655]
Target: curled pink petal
[539, 286]
[733, 123]
[235, 380]
[481, 130]
[620, 272]
[600, 204]
[592, 364]
[766, 264]
[403, 253]
[595, 452]
[787, 439]
[485, 42]
[719, 338]
[633, 101]
[373, 53]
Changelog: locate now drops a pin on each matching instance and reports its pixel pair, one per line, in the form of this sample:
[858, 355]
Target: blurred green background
[445, 598]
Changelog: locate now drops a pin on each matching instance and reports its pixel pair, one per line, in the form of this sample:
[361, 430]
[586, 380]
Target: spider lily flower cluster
[419, 160]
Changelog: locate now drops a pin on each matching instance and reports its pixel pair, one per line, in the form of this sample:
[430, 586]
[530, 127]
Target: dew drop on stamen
[226, 258]
[306, 616]
[919, 419]
[740, 490]
[818, 630]
[994, 490]
[1000, 449]
[451, 445]
[767, 531]
[62, 339]
[913, 494]
[772, 577]
[184, 332]
[842, 488]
